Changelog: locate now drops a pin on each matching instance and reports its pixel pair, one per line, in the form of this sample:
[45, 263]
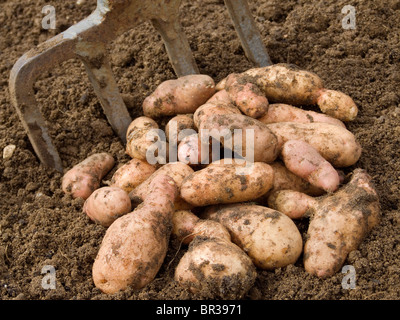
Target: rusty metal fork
[88, 39]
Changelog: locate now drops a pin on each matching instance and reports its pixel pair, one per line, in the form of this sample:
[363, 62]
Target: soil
[41, 226]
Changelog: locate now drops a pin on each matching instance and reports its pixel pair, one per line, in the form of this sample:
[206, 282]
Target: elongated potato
[135, 245]
[213, 264]
[285, 179]
[131, 174]
[107, 204]
[336, 144]
[239, 132]
[270, 238]
[178, 171]
[246, 96]
[294, 204]
[339, 223]
[304, 161]
[179, 96]
[85, 177]
[280, 112]
[226, 183]
[287, 83]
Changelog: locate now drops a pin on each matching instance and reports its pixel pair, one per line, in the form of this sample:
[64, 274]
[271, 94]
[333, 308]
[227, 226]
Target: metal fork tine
[95, 60]
[177, 46]
[248, 32]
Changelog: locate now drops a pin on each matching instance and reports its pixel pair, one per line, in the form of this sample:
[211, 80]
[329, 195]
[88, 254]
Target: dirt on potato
[40, 226]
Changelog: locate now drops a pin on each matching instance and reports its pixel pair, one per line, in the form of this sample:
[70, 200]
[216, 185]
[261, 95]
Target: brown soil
[39, 225]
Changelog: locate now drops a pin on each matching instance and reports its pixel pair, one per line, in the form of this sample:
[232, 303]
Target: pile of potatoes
[227, 169]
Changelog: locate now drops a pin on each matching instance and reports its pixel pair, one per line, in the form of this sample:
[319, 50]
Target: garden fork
[87, 40]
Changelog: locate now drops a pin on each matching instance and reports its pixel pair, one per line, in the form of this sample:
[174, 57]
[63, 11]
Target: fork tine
[22, 77]
[249, 35]
[177, 46]
[95, 60]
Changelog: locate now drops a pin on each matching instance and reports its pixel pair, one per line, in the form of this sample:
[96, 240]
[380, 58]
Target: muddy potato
[213, 108]
[304, 161]
[145, 141]
[287, 83]
[135, 245]
[212, 264]
[179, 127]
[177, 171]
[179, 96]
[107, 204]
[85, 177]
[252, 138]
[227, 183]
[280, 112]
[339, 222]
[336, 144]
[131, 174]
[217, 267]
[270, 238]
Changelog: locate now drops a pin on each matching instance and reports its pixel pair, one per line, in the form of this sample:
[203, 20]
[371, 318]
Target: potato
[179, 127]
[146, 141]
[336, 144]
[85, 177]
[226, 183]
[339, 223]
[107, 204]
[178, 171]
[131, 174]
[286, 83]
[135, 245]
[304, 161]
[187, 226]
[285, 179]
[270, 238]
[253, 138]
[179, 96]
[220, 97]
[213, 108]
[280, 112]
[212, 264]
[216, 267]
[140, 123]
[189, 150]
[292, 203]
[246, 96]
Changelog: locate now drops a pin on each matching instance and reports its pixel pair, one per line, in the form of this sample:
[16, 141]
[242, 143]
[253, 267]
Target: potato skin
[140, 123]
[280, 112]
[85, 177]
[178, 127]
[304, 161]
[226, 183]
[292, 203]
[176, 170]
[131, 174]
[339, 223]
[265, 146]
[246, 96]
[135, 245]
[287, 83]
[216, 267]
[336, 144]
[213, 108]
[270, 238]
[179, 96]
[107, 204]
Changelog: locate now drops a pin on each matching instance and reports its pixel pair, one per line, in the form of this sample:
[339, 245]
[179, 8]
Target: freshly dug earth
[40, 226]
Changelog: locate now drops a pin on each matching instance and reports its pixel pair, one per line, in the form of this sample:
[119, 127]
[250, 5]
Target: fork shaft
[249, 35]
